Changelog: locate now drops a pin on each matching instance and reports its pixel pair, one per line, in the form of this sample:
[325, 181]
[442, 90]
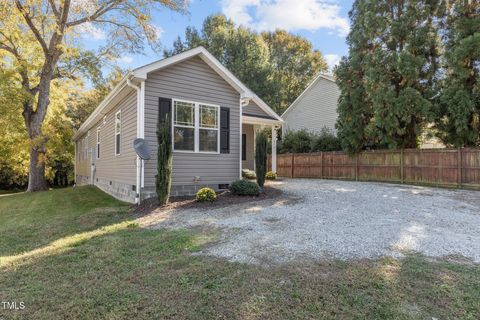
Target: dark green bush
[325, 141]
[206, 194]
[245, 188]
[261, 145]
[296, 142]
[303, 141]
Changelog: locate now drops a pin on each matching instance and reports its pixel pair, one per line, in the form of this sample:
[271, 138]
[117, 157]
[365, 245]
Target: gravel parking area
[325, 219]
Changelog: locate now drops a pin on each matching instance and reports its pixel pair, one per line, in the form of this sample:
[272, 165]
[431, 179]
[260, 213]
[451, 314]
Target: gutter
[99, 110]
[140, 133]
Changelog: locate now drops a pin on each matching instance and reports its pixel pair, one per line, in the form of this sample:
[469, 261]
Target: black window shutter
[224, 130]
[244, 146]
[164, 109]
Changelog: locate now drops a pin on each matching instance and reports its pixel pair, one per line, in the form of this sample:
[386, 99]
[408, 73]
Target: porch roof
[258, 119]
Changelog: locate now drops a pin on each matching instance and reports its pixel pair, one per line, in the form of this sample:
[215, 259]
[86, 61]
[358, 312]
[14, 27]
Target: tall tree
[354, 108]
[40, 38]
[459, 116]
[277, 66]
[294, 64]
[81, 103]
[399, 71]
[14, 140]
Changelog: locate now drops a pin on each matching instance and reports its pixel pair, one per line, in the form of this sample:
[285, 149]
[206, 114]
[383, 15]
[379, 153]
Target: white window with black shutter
[118, 131]
[196, 126]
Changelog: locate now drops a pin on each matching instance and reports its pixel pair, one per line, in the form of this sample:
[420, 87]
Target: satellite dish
[141, 148]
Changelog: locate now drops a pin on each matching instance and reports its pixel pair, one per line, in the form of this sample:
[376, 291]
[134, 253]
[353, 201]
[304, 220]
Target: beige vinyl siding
[111, 167]
[82, 160]
[247, 129]
[193, 80]
[118, 168]
[316, 109]
[253, 109]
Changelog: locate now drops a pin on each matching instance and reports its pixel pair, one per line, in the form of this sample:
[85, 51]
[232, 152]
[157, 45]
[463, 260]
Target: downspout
[138, 163]
[142, 127]
[244, 101]
[75, 167]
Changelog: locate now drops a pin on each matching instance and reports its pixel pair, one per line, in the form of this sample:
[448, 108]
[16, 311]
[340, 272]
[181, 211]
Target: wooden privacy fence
[442, 167]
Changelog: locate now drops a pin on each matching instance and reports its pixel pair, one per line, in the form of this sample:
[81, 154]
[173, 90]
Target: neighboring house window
[118, 131]
[195, 127]
[244, 146]
[98, 143]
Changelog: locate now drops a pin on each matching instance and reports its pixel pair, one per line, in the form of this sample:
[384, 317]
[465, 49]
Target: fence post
[293, 164]
[321, 168]
[459, 167]
[402, 179]
[356, 165]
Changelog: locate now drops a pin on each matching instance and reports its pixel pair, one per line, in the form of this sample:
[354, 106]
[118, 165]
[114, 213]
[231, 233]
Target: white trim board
[256, 120]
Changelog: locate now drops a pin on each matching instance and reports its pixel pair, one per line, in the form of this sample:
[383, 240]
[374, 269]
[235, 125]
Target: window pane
[184, 113]
[117, 144]
[208, 140]
[184, 138]
[118, 123]
[208, 116]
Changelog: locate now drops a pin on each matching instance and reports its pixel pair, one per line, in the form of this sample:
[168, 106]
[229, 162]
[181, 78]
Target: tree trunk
[410, 141]
[36, 175]
[33, 122]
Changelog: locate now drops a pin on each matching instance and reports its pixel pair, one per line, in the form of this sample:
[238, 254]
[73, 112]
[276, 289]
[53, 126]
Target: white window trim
[99, 140]
[196, 127]
[115, 132]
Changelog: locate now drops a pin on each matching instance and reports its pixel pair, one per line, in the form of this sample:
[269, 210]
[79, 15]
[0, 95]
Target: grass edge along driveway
[79, 254]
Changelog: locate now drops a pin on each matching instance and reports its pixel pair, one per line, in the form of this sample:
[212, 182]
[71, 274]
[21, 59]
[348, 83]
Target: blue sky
[323, 22]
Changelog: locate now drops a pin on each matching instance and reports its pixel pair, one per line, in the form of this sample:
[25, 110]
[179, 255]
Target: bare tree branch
[34, 29]
[8, 49]
[54, 9]
[101, 11]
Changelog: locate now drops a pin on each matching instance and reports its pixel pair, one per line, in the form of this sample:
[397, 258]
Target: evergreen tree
[354, 109]
[261, 147]
[459, 120]
[394, 62]
[163, 179]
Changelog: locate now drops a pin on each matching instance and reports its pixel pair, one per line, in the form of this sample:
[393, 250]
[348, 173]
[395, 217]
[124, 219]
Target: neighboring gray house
[213, 116]
[315, 108]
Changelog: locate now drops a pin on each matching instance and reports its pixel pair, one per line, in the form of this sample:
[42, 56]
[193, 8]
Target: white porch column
[274, 149]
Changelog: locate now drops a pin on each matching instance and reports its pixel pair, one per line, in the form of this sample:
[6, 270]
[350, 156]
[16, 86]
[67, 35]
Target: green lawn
[78, 254]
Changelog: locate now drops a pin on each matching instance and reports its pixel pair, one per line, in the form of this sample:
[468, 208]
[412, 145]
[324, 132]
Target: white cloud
[88, 31]
[332, 60]
[154, 32]
[287, 14]
[125, 59]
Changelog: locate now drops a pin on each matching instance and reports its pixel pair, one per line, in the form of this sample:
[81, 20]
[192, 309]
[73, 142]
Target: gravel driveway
[324, 219]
